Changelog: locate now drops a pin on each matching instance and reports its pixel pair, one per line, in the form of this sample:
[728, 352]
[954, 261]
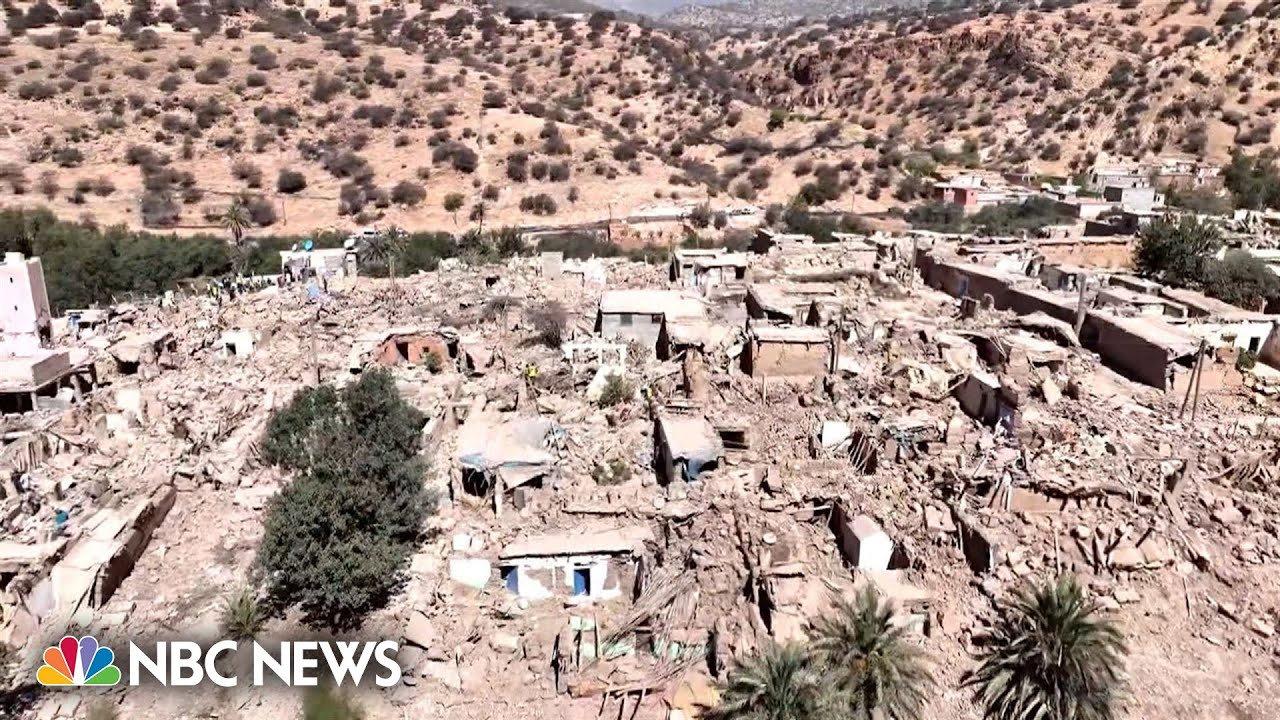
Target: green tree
[1176, 250]
[882, 675]
[784, 682]
[235, 219]
[385, 248]
[1254, 180]
[453, 203]
[338, 536]
[1240, 279]
[1050, 657]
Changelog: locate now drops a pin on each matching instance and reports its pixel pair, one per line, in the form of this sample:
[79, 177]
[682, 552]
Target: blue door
[581, 580]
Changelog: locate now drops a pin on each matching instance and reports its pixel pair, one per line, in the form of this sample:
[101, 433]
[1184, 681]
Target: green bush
[242, 619]
[339, 535]
[615, 472]
[325, 703]
[616, 390]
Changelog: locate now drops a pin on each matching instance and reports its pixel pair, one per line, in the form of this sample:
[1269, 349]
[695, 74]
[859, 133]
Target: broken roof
[690, 437]
[516, 448]
[668, 303]
[606, 542]
[790, 334]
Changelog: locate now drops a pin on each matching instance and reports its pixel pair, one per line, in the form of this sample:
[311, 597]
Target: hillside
[440, 116]
[1045, 89]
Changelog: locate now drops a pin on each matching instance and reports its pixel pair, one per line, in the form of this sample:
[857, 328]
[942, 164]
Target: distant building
[973, 193]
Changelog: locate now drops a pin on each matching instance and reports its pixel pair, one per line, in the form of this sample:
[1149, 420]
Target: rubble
[603, 555]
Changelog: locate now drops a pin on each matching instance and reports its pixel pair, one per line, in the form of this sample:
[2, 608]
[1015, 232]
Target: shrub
[248, 172]
[624, 151]
[36, 90]
[540, 204]
[615, 472]
[616, 390]
[290, 181]
[325, 703]
[262, 58]
[338, 536]
[241, 617]
[518, 166]
[549, 323]
[409, 193]
[453, 202]
[261, 211]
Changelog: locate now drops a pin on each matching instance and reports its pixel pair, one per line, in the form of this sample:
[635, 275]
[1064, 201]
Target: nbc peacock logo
[75, 662]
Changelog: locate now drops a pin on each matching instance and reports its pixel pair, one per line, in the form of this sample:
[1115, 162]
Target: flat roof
[669, 303]
[1124, 294]
[791, 334]
[1175, 340]
[722, 260]
[602, 542]
[1209, 305]
[690, 436]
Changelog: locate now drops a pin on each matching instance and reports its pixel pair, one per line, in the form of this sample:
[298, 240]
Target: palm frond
[881, 672]
[782, 683]
[1051, 656]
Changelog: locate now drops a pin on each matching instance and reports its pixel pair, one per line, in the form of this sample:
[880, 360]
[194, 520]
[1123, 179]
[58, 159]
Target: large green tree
[880, 672]
[1241, 279]
[339, 534]
[1050, 656]
[1176, 250]
[1254, 180]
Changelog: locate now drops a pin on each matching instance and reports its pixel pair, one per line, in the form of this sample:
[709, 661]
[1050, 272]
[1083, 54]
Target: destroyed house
[584, 566]
[961, 279]
[637, 315]
[785, 303]
[404, 346]
[326, 262]
[1144, 348]
[1138, 302]
[766, 239]
[497, 454]
[706, 268]
[685, 446]
[138, 350]
[786, 351]
[679, 336]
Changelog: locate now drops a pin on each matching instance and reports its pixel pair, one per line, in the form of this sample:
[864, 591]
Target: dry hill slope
[435, 116]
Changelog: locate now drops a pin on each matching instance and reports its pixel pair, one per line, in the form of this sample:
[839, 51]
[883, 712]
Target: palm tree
[1051, 657]
[236, 219]
[782, 683]
[880, 672]
[385, 247]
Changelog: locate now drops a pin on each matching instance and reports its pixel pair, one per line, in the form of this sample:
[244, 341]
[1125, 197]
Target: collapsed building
[936, 429]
